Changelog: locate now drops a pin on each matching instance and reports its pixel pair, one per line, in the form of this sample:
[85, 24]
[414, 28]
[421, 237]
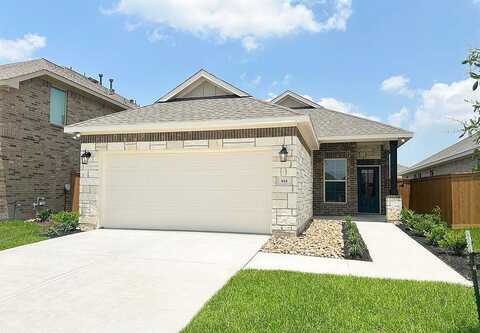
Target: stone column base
[394, 207]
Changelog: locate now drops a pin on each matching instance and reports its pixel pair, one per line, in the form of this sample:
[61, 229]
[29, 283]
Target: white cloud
[155, 35]
[345, 107]
[246, 20]
[444, 103]
[398, 84]
[21, 48]
[255, 81]
[250, 43]
[129, 26]
[401, 118]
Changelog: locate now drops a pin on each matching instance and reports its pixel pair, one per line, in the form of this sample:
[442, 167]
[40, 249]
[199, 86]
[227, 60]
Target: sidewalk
[395, 256]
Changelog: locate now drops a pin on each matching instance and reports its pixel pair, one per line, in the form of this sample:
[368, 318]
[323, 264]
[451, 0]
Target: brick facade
[356, 154]
[37, 158]
[291, 180]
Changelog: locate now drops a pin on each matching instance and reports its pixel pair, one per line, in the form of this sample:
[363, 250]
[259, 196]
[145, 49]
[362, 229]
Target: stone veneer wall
[37, 158]
[304, 163]
[291, 180]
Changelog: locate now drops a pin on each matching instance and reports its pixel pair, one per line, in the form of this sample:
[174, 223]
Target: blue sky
[394, 61]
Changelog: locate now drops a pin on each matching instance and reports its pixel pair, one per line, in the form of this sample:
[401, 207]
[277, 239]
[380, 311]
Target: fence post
[473, 266]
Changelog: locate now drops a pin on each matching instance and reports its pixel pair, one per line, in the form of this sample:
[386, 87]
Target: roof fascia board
[15, 83]
[302, 122]
[202, 74]
[365, 138]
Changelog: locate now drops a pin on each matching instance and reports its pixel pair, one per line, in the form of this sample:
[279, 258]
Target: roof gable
[293, 100]
[202, 85]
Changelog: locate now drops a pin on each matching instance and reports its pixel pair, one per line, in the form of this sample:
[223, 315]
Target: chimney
[111, 85]
[100, 76]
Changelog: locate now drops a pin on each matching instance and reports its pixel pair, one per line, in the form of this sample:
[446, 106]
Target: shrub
[44, 215]
[455, 241]
[355, 247]
[422, 224]
[436, 234]
[63, 223]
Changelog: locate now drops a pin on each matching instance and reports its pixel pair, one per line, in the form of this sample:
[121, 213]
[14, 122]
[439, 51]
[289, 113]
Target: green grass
[16, 233]
[278, 301]
[475, 233]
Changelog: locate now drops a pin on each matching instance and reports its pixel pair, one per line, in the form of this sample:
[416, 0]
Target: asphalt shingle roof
[462, 146]
[229, 108]
[329, 123]
[13, 70]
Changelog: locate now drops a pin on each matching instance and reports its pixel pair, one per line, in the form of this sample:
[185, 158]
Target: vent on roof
[111, 86]
[100, 77]
[91, 79]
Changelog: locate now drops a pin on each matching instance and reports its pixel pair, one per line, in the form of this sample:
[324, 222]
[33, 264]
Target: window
[335, 176]
[57, 106]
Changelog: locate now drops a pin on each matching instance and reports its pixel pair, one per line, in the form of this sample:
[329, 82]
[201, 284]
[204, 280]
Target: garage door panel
[211, 191]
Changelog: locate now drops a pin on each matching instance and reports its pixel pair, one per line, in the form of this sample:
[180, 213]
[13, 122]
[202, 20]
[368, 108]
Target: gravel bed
[323, 238]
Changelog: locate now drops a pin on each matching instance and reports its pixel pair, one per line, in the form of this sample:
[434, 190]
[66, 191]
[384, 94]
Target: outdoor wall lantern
[85, 156]
[283, 153]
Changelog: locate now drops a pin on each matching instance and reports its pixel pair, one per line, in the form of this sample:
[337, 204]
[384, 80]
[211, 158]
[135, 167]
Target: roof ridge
[361, 118]
[422, 162]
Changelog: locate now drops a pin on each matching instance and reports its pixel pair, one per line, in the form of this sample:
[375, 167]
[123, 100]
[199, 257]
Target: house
[400, 170]
[460, 157]
[209, 156]
[37, 99]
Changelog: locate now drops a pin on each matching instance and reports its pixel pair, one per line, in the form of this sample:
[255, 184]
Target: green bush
[407, 216]
[355, 247]
[63, 223]
[421, 224]
[436, 234]
[44, 215]
[455, 241]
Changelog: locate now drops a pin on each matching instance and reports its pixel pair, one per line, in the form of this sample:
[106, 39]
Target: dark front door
[368, 190]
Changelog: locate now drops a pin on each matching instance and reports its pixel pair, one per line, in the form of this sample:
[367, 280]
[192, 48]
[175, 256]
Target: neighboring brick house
[208, 156]
[37, 99]
[460, 157]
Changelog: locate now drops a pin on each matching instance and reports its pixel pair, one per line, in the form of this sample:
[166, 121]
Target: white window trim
[332, 181]
[64, 107]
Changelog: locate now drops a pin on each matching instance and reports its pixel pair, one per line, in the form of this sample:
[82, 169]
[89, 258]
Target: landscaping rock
[323, 238]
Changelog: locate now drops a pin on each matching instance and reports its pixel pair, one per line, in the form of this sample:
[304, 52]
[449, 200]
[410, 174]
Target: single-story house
[209, 156]
[460, 157]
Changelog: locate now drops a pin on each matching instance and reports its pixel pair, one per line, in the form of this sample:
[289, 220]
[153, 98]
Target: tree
[471, 127]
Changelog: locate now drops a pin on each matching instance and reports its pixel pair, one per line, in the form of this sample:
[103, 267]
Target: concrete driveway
[117, 280]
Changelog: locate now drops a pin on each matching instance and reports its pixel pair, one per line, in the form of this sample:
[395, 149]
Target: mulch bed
[459, 263]
[365, 257]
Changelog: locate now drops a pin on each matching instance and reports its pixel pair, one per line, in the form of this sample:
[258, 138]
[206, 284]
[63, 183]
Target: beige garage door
[205, 191]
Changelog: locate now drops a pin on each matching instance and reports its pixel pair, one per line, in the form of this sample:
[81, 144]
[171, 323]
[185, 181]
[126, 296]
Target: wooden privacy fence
[457, 195]
[75, 190]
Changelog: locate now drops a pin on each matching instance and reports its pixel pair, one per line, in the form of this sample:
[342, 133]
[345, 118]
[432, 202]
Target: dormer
[293, 100]
[202, 85]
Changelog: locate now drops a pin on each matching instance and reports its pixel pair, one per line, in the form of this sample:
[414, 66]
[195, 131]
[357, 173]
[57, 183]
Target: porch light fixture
[85, 156]
[283, 153]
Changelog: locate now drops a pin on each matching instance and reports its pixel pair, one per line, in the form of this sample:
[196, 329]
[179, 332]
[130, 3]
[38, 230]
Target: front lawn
[475, 232]
[16, 233]
[279, 301]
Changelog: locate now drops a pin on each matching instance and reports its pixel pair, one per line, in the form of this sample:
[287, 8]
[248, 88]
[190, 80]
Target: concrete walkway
[117, 280]
[395, 256]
